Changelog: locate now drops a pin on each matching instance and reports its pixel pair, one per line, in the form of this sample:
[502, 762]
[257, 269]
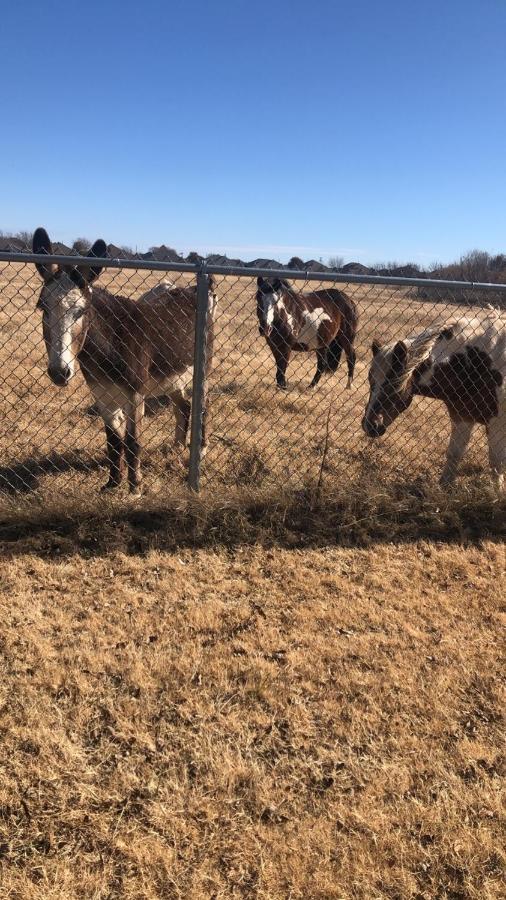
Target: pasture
[261, 692]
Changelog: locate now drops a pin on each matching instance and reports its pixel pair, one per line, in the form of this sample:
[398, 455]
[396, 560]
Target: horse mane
[419, 351]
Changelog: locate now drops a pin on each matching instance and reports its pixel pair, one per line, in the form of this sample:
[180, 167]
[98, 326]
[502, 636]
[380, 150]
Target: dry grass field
[262, 722]
[261, 693]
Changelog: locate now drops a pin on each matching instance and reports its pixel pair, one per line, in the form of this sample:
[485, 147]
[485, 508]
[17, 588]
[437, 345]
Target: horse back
[336, 299]
[166, 325]
[145, 343]
[339, 306]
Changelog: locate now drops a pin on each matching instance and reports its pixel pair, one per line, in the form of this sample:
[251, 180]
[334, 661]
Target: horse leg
[281, 355]
[333, 356]
[459, 439]
[351, 358]
[321, 365]
[109, 402]
[183, 409]
[132, 442]
[115, 446]
[496, 433]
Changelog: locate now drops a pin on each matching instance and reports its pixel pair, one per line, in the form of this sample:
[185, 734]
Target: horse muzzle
[265, 330]
[373, 429]
[60, 376]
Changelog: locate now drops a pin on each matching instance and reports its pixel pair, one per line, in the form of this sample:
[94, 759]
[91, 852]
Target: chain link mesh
[52, 440]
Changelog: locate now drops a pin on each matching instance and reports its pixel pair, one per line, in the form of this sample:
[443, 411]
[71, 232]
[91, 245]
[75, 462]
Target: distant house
[115, 252]
[216, 259]
[264, 264]
[13, 245]
[62, 250]
[355, 268]
[163, 254]
[314, 265]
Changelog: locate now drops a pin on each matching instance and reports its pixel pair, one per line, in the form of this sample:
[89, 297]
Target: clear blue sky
[371, 130]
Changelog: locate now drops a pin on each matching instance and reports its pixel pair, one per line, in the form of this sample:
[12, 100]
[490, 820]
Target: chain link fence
[52, 439]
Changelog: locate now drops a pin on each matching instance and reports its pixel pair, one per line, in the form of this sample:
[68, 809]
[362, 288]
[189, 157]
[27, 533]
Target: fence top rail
[246, 271]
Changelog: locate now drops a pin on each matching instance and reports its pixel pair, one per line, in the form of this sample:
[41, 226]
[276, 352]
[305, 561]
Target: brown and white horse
[127, 350]
[462, 364]
[325, 321]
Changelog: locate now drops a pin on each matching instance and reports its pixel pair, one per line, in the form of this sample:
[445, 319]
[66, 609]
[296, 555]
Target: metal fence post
[199, 378]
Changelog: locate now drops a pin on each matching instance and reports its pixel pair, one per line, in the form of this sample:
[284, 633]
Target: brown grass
[267, 722]
[261, 693]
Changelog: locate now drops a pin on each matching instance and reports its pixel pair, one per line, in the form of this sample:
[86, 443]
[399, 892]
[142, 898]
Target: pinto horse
[325, 321]
[127, 350]
[464, 365]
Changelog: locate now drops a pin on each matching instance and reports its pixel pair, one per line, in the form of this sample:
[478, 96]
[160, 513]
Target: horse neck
[424, 369]
[292, 304]
[101, 332]
[419, 360]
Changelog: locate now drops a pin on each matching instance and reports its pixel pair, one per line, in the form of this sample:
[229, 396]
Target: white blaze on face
[270, 302]
[309, 331]
[64, 305]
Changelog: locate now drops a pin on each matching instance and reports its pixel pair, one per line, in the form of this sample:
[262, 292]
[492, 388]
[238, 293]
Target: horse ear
[42, 244]
[260, 281]
[375, 347]
[276, 284]
[399, 357]
[91, 273]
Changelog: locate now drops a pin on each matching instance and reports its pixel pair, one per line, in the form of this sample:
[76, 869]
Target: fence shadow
[24, 477]
[291, 520]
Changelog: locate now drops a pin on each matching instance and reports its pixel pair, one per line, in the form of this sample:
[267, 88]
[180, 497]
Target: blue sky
[376, 131]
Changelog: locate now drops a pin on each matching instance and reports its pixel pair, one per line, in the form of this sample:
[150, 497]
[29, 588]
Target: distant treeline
[477, 265]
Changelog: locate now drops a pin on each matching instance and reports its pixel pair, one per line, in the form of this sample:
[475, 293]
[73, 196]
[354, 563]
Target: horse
[463, 364]
[325, 321]
[127, 350]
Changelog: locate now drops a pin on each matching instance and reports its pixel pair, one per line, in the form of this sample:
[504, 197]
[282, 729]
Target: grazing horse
[464, 365]
[325, 321]
[127, 350]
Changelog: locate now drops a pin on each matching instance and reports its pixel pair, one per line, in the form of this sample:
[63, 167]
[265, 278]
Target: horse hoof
[282, 387]
[135, 492]
[109, 486]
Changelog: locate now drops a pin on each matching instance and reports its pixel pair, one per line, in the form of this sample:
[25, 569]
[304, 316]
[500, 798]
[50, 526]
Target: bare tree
[336, 262]
[81, 245]
[26, 237]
